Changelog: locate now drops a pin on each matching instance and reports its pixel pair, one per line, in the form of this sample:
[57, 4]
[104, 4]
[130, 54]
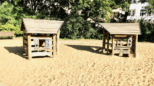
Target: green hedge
[147, 30]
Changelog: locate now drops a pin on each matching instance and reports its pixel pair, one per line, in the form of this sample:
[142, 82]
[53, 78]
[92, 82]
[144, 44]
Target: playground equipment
[40, 37]
[120, 31]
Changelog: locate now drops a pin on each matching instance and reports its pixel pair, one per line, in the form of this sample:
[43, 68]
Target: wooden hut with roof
[120, 31]
[40, 37]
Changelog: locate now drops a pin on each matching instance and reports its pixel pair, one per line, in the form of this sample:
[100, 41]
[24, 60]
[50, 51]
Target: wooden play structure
[40, 37]
[124, 38]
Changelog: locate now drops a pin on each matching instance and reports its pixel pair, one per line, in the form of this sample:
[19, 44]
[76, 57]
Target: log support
[29, 47]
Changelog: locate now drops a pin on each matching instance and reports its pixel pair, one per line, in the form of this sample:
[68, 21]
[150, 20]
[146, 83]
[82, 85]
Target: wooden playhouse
[40, 37]
[124, 37]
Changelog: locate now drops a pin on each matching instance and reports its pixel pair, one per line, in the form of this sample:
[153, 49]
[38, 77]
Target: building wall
[138, 6]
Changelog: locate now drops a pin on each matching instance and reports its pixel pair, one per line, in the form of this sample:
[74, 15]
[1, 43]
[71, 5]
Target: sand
[80, 63]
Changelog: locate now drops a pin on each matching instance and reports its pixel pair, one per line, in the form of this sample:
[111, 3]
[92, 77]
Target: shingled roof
[41, 26]
[122, 28]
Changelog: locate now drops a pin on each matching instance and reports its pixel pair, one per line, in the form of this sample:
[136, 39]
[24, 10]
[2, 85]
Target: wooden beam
[25, 49]
[40, 37]
[54, 46]
[103, 47]
[108, 42]
[29, 47]
[51, 45]
[24, 36]
[41, 48]
[122, 51]
[24, 31]
[121, 35]
[113, 44]
[136, 41]
[57, 43]
[2, 34]
[40, 54]
[25, 41]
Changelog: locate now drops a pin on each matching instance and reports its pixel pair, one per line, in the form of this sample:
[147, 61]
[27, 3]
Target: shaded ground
[80, 63]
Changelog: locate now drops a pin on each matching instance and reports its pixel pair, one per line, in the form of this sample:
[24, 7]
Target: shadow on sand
[19, 51]
[6, 38]
[94, 49]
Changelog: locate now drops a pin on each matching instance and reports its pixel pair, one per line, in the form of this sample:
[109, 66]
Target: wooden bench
[119, 48]
[4, 34]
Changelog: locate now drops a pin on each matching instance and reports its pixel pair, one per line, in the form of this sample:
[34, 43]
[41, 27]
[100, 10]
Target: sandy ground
[80, 63]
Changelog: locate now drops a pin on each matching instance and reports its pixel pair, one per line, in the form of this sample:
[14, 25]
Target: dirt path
[80, 63]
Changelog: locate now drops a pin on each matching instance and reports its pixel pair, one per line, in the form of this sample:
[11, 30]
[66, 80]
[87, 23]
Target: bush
[147, 31]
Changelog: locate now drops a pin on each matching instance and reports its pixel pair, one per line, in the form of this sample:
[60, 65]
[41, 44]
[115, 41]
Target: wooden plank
[40, 37]
[25, 41]
[44, 27]
[54, 46]
[40, 29]
[136, 41]
[113, 44]
[25, 49]
[41, 48]
[121, 35]
[51, 46]
[103, 41]
[2, 34]
[40, 53]
[24, 31]
[108, 42]
[122, 47]
[25, 36]
[42, 32]
[122, 51]
[29, 47]
[57, 43]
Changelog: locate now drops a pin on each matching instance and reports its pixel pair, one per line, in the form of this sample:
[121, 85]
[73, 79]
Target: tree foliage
[75, 25]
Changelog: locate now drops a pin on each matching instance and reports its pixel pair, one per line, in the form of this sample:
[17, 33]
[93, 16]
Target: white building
[137, 11]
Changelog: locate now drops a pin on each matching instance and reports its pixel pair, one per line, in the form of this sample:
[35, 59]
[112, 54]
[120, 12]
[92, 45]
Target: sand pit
[80, 63]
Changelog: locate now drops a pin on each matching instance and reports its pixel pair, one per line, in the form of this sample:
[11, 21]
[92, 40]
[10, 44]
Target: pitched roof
[41, 26]
[122, 28]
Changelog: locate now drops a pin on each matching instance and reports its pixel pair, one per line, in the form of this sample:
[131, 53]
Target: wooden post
[51, 49]
[57, 43]
[113, 45]
[54, 46]
[136, 41]
[107, 42]
[103, 40]
[29, 47]
[23, 42]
